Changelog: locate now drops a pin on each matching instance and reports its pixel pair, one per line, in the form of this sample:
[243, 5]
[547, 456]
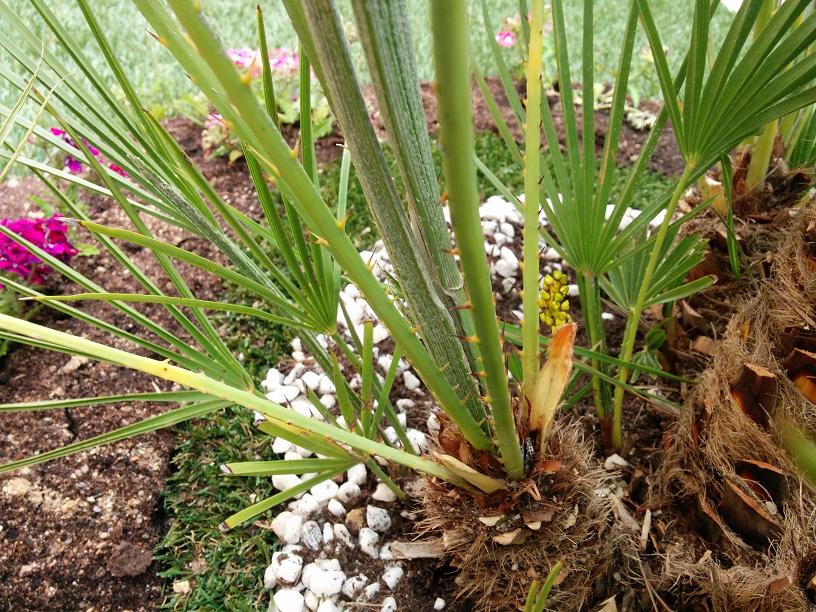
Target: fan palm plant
[441, 315]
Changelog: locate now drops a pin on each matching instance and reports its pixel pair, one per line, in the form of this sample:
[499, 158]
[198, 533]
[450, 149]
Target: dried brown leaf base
[754, 515]
[499, 547]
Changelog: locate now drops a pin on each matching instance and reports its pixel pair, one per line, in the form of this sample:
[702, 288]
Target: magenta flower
[74, 165]
[505, 38]
[51, 235]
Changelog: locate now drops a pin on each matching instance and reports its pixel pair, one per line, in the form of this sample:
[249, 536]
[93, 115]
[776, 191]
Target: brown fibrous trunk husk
[715, 436]
[579, 533]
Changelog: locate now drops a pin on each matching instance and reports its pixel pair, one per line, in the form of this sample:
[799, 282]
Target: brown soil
[79, 533]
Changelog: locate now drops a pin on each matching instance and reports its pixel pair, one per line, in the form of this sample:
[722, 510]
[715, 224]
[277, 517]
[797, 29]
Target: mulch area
[78, 533]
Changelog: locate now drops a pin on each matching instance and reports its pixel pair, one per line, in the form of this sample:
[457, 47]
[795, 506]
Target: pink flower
[242, 58]
[506, 39]
[213, 120]
[283, 60]
[51, 235]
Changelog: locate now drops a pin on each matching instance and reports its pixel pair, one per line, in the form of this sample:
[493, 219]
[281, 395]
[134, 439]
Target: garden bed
[80, 533]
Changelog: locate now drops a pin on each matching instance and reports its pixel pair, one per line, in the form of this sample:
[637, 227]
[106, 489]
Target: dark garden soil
[78, 533]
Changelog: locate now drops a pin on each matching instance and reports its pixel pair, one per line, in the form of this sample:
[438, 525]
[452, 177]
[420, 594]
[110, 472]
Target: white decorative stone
[508, 230]
[433, 423]
[607, 316]
[378, 519]
[391, 436]
[439, 604]
[269, 578]
[326, 385]
[385, 552]
[411, 381]
[505, 269]
[418, 440]
[327, 605]
[348, 492]
[615, 461]
[342, 533]
[328, 400]
[392, 576]
[324, 577]
[380, 333]
[273, 379]
[283, 394]
[402, 418]
[384, 361]
[499, 209]
[383, 494]
[312, 535]
[282, 482]
[551, 254]
[389, 604]
[369, 542]
[372, 590]
[288, 600]
[404, 404]
[294, 374]
[311, 600]
[311, 379]
[288, 526]
[306, 506]
[324, 491]
[286, 568]
[353, 586]
[328, 534]
[281, 446]
[572, 290]
[336, 508]
[357, 474]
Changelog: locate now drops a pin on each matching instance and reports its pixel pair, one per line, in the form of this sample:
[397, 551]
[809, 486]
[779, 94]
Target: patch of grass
[225, 570]
[162, 83]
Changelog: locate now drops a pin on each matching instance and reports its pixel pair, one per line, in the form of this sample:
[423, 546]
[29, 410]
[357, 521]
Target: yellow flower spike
[565, 305]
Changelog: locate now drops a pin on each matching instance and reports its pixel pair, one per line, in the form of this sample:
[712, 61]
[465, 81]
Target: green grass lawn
[162, 83]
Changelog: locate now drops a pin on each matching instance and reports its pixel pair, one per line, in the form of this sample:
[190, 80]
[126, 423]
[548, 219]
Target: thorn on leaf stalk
[246, 77]
[486, 399]
[452, 252]
[158, 38]
[444, 367]
[321, 241]
[465, 306]
[443, 197]
[469, 339]
[341, 223]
